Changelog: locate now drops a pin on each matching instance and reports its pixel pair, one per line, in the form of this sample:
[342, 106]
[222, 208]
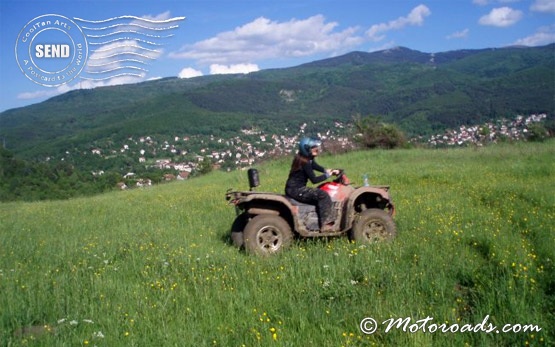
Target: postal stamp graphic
[123, 47]
[51, 50]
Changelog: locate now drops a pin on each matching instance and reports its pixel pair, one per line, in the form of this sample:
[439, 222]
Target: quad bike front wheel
[267, 234]
[373, 225]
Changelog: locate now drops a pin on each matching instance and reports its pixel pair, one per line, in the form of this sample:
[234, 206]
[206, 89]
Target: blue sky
[241, 36]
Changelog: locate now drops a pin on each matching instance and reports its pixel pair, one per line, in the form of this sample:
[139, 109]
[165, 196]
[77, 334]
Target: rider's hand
[335, 172]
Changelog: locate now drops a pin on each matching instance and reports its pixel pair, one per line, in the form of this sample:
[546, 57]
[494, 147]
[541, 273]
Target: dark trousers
[316, 197]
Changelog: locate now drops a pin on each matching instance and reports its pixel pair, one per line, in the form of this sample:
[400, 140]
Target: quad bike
[267, 222]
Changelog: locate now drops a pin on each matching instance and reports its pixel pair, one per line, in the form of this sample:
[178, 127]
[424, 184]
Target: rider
[302, 170]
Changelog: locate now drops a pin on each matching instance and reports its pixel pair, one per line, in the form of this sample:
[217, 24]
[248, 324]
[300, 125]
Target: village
[512, 130]
[183, 156]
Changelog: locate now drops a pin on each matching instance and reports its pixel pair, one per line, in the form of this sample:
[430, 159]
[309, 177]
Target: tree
[373, 133]
[205, 166]
[537, 132]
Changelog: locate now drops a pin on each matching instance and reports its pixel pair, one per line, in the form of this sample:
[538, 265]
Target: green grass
[154, 266]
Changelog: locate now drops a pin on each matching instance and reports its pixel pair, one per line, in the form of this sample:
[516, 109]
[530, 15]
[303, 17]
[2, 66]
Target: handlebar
[339, 176]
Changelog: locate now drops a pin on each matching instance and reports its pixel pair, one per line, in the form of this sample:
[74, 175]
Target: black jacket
[298, 179]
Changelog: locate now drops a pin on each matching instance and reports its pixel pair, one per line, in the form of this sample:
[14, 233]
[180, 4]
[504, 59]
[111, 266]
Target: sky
[50, 47]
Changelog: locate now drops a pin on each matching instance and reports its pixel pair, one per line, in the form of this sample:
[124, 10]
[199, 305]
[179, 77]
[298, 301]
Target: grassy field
[154, 267]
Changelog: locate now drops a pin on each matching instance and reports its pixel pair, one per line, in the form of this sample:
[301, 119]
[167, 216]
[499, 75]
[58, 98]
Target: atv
[267, 222]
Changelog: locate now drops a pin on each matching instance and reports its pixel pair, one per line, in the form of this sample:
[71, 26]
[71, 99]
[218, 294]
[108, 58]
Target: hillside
[420, 92]
[152, 267]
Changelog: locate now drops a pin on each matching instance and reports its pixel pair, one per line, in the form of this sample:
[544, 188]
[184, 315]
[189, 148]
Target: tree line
[30, 181]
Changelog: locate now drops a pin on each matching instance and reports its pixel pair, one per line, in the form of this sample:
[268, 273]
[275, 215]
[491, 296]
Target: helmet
[306, 144]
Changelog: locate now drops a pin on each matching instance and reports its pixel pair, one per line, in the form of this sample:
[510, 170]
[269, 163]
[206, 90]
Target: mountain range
[419, 92]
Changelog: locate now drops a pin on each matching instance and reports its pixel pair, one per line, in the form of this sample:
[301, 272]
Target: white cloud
[383, 46]
[158, 17]
[487, 2]
[48, 93]
[501, 17]
[189, 72]
[51, 92]
[459, 34]
[415, 17]
[544, 36]
[264, 39]
[543, 6]
[231, 69]
[113, 81]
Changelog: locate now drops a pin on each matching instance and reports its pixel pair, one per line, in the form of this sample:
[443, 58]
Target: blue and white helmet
[306, 144]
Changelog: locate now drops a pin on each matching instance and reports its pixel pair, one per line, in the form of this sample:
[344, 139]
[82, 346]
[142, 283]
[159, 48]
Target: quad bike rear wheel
[267, 234]
[237, 230]
[373, 225]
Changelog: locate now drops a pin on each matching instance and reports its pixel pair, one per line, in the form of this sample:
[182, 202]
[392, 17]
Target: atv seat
[298, 203]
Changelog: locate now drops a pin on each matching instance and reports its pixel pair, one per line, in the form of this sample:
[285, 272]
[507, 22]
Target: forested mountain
[420, 92]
